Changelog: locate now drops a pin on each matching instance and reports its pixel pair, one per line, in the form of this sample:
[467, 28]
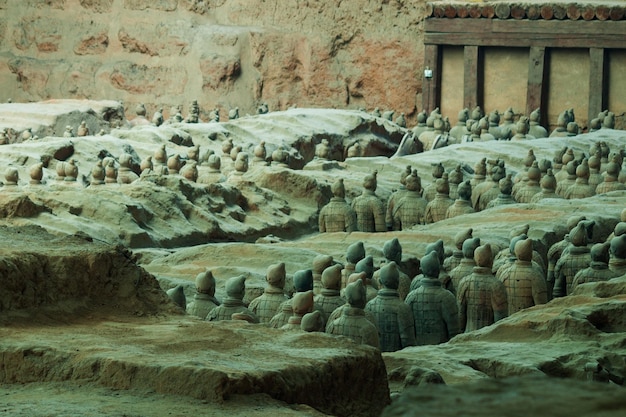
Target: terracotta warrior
[617, 261]
[204, 300]
[392, 251]
[319, 265]
[369, 209]
[482, 298]
[576, 258]
[437, 208]
[581, 187]
[431, 189]
[301, 304]
[488, 190]
[462, 205]
[233, 303]
[531, 187]
[611, 176]
[435, 310]
[525, 285]
[467, 264]
[548, 188]
[302, 282]
[394, 198]
[396, 328]
[411, 208]
[266, 305]
[536, 129]
[354, 253]
[598, 269]
[506, 188]
[454, 260]
[352, 321]
[337, 215]
[329, 298]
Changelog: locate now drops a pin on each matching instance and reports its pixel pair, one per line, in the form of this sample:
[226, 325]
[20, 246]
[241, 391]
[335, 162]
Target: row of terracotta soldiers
[474, 287]
[450, 195]
[434, 131]
[204, 169]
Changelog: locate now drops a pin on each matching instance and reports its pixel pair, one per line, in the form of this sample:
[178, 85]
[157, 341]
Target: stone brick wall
[223, 53]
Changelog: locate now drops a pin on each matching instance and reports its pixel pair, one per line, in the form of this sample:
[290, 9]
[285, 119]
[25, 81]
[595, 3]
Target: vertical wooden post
[470, 76]
[536, 72]
[597, 82]
[431, 86]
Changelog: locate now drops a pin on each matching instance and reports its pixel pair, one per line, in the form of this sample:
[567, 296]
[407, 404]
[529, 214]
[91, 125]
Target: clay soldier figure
[594, 162]
[302, 282]
[233, 303]
[522, 127]
[611, 176]
[506, 188]
[436, 209]
[82, 130]
[467, 264]
[488, 190]
[570, 179]
[394, 198]
[301, 303]
[462, 205]
[392, 251]
[536, 129]
[266, 305]
[431, 190]
[369, 209]
[157, 117]
[320, 263]
[322, 150]
[581, 188]
[352, 321]
[411, 208]
[337, 215]
[617, 261]
[548, 188]
[484, 130]
[531, 187]
[566, 157]
[354, 254]
[525, 286]
[482, 298]
[177, 295]
[214, 173]
[494, 121]
[204, 300]
[521, 178]
[598, 269]
[480, 172]
[507, 128]
[125, 174]
[460, 129]
[421, 124]
[561, 125]
[435, 311]
[194, 113]
[556, 250]
[366, 266]
[575, 258]
[455, 177]
[329, 298]
[454, 260]
[396, 328]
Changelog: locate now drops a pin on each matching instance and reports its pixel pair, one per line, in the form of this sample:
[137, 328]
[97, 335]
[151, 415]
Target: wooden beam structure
[597, 81]
[537, 28]
[431, 86]
[526, 33]
[536, 75]
[471, 77]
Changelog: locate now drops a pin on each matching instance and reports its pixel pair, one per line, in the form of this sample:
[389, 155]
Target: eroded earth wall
[224, 53]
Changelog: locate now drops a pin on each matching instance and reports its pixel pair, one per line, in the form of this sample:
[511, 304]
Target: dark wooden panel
[470, 76]
[597, 81]
[572, 40]
[431, 87]
[536, 74]
[529, 27]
